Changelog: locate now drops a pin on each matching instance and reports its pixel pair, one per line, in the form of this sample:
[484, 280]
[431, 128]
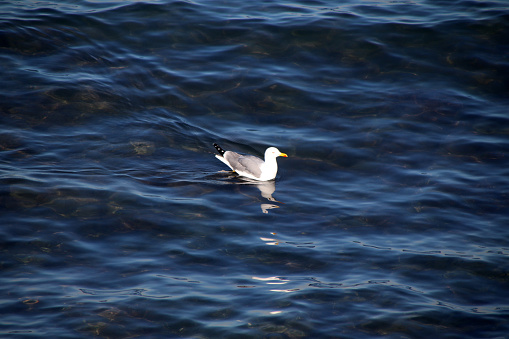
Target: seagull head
[273, 152]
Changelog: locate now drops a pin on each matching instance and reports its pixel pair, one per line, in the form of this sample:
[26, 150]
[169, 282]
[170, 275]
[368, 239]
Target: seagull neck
[270, 161]
[270, 166]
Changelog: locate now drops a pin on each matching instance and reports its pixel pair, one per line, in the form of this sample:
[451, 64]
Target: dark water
[393, 206]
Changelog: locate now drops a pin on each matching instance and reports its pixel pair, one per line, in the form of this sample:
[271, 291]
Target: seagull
[250, 166]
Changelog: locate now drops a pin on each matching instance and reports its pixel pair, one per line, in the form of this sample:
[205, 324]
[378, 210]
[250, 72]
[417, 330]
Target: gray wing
[244, 163]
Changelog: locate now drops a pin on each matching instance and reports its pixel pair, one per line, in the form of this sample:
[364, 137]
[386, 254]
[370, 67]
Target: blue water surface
[388, 219]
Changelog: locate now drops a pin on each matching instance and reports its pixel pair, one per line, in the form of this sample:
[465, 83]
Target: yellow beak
[283, 155]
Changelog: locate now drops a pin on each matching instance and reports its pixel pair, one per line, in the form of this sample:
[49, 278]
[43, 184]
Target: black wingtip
[219, 149]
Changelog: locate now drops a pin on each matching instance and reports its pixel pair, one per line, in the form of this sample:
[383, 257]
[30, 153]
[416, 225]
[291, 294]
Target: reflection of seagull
[250, 166]
[266, 207]
[266, 189]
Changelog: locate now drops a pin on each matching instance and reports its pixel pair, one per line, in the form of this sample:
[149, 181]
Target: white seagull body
[250, 166]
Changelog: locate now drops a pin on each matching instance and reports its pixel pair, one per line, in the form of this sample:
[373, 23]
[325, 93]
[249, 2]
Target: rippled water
[389, 218]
